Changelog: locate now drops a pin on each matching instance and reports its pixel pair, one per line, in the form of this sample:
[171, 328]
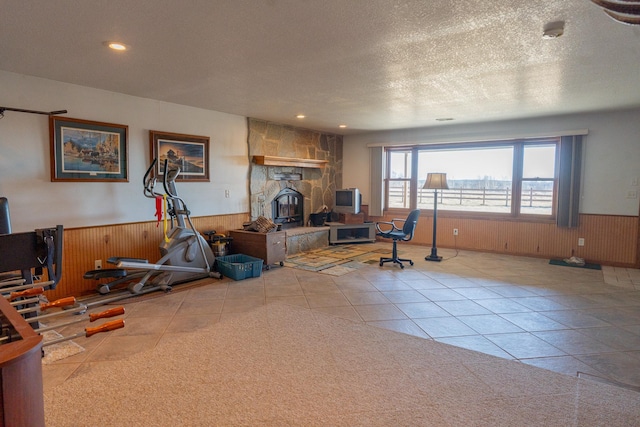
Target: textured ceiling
[370, 64]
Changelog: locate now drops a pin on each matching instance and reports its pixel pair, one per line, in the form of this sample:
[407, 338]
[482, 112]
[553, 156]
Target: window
[538, 178]
[480, 179]
[399, 179]
[502, 178]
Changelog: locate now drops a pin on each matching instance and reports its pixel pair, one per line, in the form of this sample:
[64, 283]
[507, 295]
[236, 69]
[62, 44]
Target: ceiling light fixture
[444, 119]
[342, 126]
[116, 46]
[624, 11]
[300, 116]
[553, 30]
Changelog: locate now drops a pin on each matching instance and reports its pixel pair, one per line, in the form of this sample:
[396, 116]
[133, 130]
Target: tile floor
[570, 320]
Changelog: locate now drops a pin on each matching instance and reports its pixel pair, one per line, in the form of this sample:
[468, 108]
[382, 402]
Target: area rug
[281, 365]
[58, 351]
[567, 264]
[337, 260]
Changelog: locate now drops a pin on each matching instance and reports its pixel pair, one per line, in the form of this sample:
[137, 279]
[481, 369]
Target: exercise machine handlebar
[88, 332]
[62, 302]
[20, 286]
[149, 182]
[26, 293]
[169, 176]
[112, 312]
[105, 327]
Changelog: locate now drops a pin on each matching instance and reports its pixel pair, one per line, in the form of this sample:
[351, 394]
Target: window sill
[484, 216]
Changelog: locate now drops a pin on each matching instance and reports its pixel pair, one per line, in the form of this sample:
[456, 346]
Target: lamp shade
[436, 181]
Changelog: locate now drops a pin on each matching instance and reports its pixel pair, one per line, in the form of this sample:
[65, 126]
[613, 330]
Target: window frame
[517, 177]
[411, 165]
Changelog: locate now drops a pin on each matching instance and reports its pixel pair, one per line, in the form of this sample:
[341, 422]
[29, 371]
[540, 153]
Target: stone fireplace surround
[316, 184]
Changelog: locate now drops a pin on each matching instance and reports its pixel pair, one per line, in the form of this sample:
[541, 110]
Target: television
[347, 201]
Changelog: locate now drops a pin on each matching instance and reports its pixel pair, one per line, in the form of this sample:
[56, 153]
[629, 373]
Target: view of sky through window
[468, 164]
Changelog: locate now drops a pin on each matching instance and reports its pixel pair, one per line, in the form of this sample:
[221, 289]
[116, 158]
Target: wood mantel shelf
[289, 161]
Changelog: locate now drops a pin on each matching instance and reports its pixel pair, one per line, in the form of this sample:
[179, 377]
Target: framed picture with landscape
[83, 150]
[188, 152]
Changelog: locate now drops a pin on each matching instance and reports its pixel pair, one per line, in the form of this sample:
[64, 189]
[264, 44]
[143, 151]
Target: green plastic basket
[239, 266]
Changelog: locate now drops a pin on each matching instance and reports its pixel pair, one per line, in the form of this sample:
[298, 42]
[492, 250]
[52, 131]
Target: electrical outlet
[226, 194]
[455, 231]
[97, 264]
[581, 241]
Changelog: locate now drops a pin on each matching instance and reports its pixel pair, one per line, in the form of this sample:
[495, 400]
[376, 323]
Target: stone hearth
[301, 239]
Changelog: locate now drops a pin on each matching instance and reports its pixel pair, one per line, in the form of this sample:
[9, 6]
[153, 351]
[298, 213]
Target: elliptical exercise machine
[185, 254]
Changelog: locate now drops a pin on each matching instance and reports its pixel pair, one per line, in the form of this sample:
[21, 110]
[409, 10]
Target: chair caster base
[398, 261]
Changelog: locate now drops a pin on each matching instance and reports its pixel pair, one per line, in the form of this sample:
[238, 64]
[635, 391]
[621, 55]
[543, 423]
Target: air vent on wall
[287, 176]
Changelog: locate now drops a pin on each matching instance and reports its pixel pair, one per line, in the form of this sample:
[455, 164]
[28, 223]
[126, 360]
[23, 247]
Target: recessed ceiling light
[342, 126]
[300, 116]
[553, 30]
[116, 45]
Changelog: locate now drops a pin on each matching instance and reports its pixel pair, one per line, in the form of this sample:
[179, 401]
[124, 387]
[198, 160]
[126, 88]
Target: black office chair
[392, 230]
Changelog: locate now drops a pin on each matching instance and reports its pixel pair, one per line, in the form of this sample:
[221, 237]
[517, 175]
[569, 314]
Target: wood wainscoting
[609, 239]
[82, 246]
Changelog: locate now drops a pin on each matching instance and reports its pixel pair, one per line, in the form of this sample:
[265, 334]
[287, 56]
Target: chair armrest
[389, 226]
[396, 220]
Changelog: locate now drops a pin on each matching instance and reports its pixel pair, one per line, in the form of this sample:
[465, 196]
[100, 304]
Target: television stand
[351, 233]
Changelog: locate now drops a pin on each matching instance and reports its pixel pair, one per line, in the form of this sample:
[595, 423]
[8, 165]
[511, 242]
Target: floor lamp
[435, 181]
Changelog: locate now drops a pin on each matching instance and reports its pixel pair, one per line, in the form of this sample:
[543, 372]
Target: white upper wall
[25, 174]
[611, 155]
[611, 163]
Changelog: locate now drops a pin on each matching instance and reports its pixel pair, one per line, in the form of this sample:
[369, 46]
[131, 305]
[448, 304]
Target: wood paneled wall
[82, 246]
[609, 239]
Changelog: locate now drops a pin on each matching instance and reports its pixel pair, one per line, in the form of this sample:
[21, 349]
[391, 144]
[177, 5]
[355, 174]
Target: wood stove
[288, 208]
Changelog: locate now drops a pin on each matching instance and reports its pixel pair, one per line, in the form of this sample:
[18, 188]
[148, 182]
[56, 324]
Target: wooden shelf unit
[21, 393]
[351, 233]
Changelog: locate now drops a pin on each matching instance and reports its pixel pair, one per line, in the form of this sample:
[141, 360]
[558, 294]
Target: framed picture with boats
[83, 150]
[188, 152]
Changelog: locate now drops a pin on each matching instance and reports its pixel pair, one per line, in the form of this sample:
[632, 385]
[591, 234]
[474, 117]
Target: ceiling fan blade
[629, 8]
[623, 18]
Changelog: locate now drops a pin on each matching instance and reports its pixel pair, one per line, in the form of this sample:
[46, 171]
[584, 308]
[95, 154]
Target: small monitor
[347, 201]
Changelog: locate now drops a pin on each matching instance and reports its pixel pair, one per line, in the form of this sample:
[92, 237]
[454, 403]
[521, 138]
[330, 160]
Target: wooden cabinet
[270, 247]
[21, 398]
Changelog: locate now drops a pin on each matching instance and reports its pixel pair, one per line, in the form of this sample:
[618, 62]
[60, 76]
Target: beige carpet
[280, 366]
